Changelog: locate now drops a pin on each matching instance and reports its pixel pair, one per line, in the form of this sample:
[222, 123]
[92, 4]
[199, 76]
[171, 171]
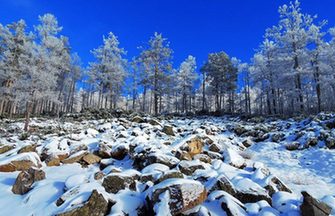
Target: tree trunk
[27, 117]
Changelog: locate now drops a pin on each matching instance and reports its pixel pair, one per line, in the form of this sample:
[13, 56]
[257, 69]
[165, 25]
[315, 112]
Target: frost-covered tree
[266, 72]
[292, 35]
[318, 61]
[243, 70]
[16, 63]
[55, 57]
[185, 81]
[109, 69]
[222, 76]
[156, 61]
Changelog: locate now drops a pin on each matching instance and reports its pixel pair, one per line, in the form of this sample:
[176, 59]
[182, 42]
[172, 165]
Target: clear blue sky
[194, 27]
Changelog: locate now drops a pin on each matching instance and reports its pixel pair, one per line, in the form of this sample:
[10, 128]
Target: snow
[27, 156]
[310, 169]
[233, 158]
[162, 207]
[75, 180]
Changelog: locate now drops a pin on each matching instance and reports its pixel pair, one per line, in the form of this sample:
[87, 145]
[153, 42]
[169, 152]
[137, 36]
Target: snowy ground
[310, 168]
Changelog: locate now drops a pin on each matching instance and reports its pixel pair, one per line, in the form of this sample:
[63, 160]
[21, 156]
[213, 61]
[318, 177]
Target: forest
[292, 72]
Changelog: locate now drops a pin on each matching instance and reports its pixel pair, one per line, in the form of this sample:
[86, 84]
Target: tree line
[292, 72]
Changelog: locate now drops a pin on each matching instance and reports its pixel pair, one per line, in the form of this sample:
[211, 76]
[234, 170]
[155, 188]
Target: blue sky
[195, 27]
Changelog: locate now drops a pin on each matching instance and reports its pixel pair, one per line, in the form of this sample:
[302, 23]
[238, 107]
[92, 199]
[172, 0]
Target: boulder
[104, 151]
[292, 146]
[189, 167]
[330, 142]
[169, 175]
[215, 148]
[231, 205]
[6, 148]
[203, 158]
[223, 183]
[168, 130]
[28, 148]
[165, 159]
[214, 155]
[248, 191]
[74, 158]
[153, 122]
[26, 179]
[176, 196]
[234, 159]
[277, 185]
[137, 119]
[20, 162]
[115, 182]
[313, 207]
[52, 160]
[91, 158]
[311, 141]
[239, 130]
[247, 142]
[119, 152]
[183, 155]
[194, 146]
[96, 205]
[277, 137]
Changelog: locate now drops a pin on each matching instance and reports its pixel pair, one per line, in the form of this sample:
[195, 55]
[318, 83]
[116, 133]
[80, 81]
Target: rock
[137, 119]
[79, 148]
[119, 152]
[165, 159]
[96, 205]
[167, 129]
[153, 172]
[311, 141]
[115, 182]
[153, 122]
[292, 146]
[74, 158]
[62, 156]
[280, 185]
[203, 158]
[21, 162]
[176, 196]
[277, 137]
[230, 205]
[214, 155]
[330, 143]
[194, 146]
[313, 207]
[234, 159]
[26, 179]
[91, 158]
[247, 142]
[52, 160]
[239, 130]
[170, 174]
[261, 136]
[183, 155]
[248, 191]
[223, 183]
[28, 148]
[215, 148]
[6, 148]
[104, 151]
[99, 175]
[189, 167]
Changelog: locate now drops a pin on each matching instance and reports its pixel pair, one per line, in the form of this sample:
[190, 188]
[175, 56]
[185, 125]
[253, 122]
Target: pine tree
[156, 60]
